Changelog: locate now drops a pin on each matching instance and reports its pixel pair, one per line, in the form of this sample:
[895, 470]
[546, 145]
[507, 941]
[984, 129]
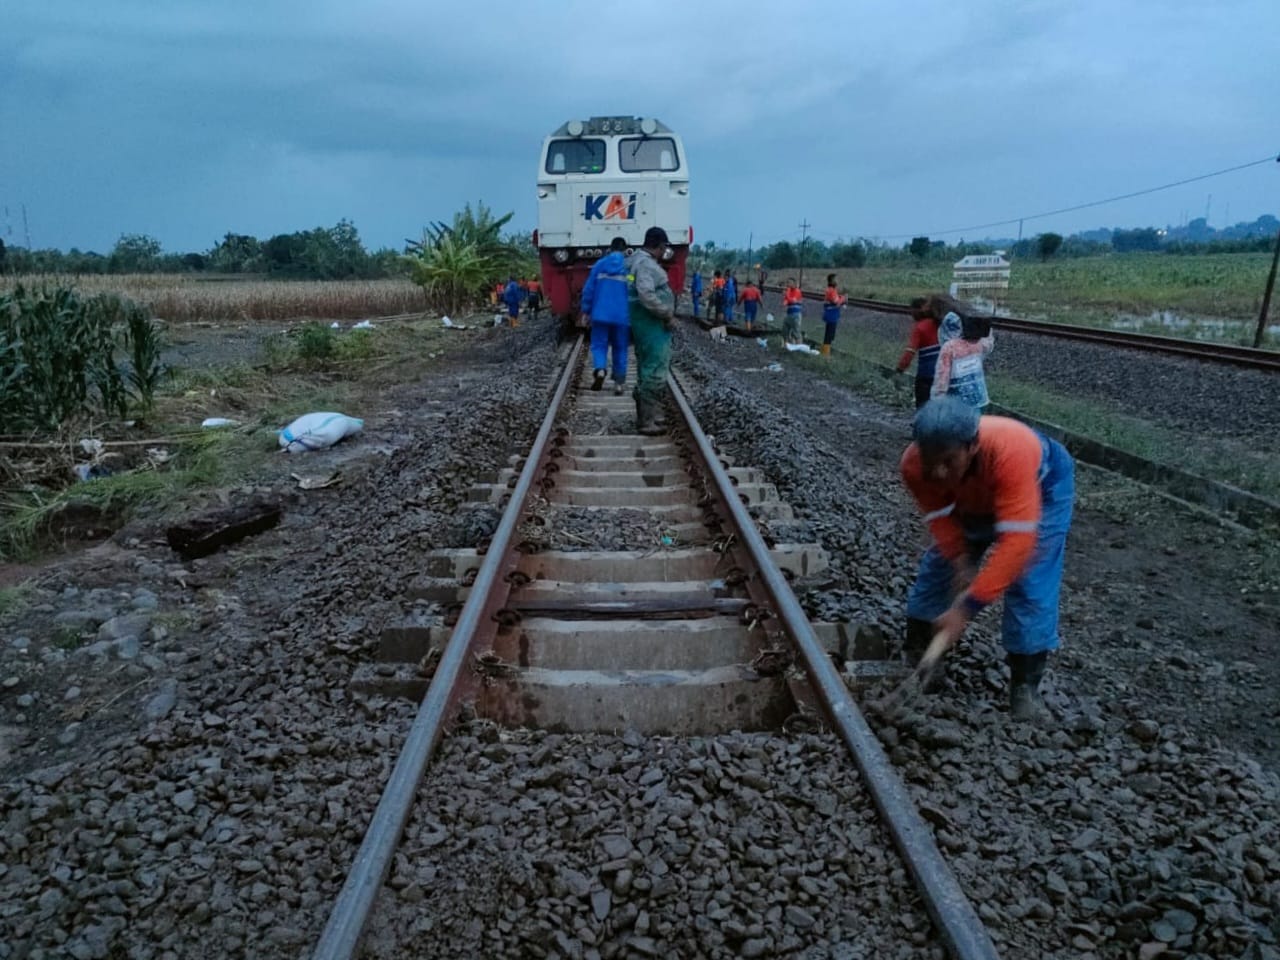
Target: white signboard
[977, 273]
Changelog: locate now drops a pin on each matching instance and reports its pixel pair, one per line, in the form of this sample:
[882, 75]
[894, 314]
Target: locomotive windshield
[575, 156]
[640, 154]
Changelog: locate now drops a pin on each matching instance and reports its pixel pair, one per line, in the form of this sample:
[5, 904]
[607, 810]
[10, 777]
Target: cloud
[188, 120]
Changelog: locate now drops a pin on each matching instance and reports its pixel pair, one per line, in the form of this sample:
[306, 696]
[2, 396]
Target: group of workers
[996, 495]
[515, 293]
[629, 300]
[725, 295]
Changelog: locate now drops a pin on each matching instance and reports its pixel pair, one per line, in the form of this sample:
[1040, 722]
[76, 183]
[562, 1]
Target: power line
[1080, 206]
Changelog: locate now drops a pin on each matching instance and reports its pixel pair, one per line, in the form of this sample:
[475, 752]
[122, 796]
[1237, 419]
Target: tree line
[1195, 238]
[324, 253]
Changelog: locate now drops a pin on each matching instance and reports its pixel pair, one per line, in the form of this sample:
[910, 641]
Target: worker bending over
[997, 497]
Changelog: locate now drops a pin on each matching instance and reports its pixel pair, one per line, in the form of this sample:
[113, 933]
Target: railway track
[1249, 357]
[695, 637]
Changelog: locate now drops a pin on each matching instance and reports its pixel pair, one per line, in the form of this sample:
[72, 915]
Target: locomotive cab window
[575, 156]
[641, 154]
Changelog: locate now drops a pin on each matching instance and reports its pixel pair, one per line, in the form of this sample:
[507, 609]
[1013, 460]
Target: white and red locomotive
[603, 178]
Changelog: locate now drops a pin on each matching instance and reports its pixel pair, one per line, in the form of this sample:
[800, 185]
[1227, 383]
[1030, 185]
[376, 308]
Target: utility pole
[1266, 296]
[804, 238]
[750, 246]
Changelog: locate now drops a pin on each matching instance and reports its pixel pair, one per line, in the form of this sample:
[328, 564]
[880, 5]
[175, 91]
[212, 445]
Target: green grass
[1126, 289]
[861, 357]
[13, 599]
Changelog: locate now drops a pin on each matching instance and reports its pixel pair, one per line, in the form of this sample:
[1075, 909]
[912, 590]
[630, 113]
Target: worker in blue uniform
[606, 307]
[513, 295]
[730, 296]
[695, 292]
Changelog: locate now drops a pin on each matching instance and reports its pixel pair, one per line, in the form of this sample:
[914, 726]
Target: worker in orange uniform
[832, 303]
[922, 343]
[997, 497]
[534, 290]
[750, 300]
[717, 297]
[792, 311]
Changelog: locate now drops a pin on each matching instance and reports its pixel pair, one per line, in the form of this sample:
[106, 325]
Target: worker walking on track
[606, 308]
[652, 317]
[832, 304]
[793, 310]
[695, 292]
[730, 295]
[750, 300]
[923, 345]
[997, 497]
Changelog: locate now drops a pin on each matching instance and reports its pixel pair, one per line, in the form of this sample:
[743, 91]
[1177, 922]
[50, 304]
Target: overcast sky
[185, 120]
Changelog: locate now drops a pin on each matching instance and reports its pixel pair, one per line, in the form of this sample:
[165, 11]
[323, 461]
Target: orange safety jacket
[1000, 496]
[750, 293]
[791, 295]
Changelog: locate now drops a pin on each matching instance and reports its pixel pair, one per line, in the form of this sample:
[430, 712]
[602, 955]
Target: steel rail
[965, 935]
[1250, 357]
[350, 915]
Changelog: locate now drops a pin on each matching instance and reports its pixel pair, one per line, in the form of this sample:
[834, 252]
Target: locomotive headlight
[561, 256]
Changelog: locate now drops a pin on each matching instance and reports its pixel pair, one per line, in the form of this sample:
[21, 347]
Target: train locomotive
[603, 178]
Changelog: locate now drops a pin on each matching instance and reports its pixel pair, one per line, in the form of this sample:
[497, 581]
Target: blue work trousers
[1030, 623]
[750, 308]
[606, 336]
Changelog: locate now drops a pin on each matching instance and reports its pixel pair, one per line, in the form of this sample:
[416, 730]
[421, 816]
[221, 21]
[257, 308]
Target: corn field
[63, 355]
[190, 299]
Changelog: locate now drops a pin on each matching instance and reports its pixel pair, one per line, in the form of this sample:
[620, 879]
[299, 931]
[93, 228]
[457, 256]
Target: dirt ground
[182, 763]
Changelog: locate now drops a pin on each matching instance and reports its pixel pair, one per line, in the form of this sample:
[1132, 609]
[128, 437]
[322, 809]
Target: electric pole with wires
[804, 238]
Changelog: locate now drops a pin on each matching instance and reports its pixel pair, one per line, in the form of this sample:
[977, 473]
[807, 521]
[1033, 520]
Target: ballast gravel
[534, 844]
[1114, 828]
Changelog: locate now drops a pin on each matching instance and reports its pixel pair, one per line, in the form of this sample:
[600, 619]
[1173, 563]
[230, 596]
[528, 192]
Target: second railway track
[1248, 357]
[640, 707]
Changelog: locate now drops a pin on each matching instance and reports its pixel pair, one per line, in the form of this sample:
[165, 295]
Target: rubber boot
[1025, 673]
[646, 421]
[826, 349]
[918, 636]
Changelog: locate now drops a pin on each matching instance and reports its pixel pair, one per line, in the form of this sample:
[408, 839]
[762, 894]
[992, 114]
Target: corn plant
[58, 357]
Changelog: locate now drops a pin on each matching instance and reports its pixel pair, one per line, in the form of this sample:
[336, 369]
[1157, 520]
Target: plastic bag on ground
[317, 431]
[212, 423]
[363, 325]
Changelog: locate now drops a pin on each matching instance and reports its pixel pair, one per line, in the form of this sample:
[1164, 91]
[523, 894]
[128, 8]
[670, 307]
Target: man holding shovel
[997, 497]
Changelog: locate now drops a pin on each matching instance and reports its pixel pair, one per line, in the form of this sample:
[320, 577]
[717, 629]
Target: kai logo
[610, 206]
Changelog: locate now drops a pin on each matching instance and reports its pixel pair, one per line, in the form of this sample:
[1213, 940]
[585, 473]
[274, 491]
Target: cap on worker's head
[617, 243]
[945, 423]
[655, 237]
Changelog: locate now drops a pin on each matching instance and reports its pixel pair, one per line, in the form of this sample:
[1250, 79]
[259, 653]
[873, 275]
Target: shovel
[915, 681]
